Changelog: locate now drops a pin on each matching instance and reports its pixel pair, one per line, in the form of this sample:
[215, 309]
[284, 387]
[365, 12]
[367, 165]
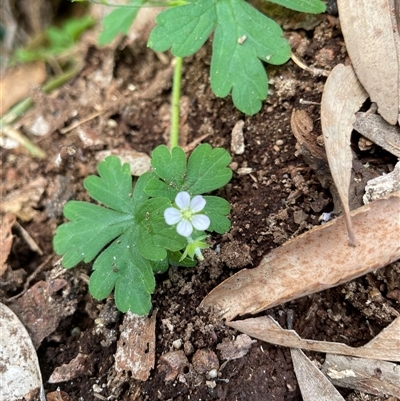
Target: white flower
[187, 216]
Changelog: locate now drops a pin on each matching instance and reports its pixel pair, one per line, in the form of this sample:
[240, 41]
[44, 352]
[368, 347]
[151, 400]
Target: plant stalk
[175, 103]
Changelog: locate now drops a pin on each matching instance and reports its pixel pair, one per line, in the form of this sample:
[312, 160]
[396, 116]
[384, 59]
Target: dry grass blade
[372, 42]
[385, 346]
[343, 95]
[316, 260]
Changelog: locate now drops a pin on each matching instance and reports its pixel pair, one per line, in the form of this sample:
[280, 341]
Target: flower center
[186, 214]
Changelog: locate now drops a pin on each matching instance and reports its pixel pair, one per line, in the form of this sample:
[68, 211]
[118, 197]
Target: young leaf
[114, 186]
[305, 6]
[207, 170]
[243, 36]
[169, 165]
[118, 21]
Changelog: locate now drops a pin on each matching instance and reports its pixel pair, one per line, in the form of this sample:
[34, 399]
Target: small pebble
[279, 142]
[177, 344]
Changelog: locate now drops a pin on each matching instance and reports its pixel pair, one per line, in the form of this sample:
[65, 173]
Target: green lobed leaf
[122, 266]
[118, 21]
[114, 186]
[243, 36]
[207, 170]
[216, 209]
[305, 6]
[91, 228]
[184, 29]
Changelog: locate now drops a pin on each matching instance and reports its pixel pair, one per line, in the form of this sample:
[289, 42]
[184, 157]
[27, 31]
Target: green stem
[175, 103]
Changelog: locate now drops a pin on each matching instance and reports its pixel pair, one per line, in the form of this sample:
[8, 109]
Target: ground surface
[274, 196]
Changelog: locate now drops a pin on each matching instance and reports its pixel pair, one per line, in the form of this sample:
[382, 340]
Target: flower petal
[184, 228]
[172, 216]
[197, 204]
[182, 200]
[200, 222]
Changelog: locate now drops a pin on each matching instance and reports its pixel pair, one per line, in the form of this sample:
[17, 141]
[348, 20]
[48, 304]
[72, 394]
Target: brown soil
[279, 198]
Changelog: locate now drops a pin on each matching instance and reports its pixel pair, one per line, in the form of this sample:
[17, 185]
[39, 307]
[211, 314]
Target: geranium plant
[140, 230]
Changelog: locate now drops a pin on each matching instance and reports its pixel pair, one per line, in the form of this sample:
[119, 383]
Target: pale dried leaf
[314, 386]
[20, 371]
[367, 375]
[136, 346]
[385, 346]
[342, 97]
[370, 36]
[6, 240]
[314, 261]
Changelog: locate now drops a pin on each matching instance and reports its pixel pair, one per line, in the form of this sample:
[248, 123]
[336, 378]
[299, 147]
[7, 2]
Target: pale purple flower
[186, 214]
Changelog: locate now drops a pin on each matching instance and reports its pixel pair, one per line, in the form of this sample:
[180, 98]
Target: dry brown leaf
[314, 261]
[18, 82]
[342, 97]
[370, 36]
[385, 346]
[136, 346]
[314, 386]
[6, 240]
[367, 375]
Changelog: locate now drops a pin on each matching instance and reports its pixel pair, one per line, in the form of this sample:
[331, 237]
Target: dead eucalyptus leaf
[314, 261]
[342, 97]
[370, 36]
[367, 375]
[385, 346]
[314, 386]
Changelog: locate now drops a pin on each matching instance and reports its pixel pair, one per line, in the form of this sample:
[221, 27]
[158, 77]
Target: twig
[315, 71]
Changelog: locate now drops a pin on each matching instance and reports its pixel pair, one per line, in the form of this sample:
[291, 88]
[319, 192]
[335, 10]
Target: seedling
[243, 38]
[138, 231]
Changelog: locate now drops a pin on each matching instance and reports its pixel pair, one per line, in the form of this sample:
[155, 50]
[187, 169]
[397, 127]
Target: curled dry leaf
[342, 97]
[314, 261]
[385, 346]
[371, 37]
[136, 346]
